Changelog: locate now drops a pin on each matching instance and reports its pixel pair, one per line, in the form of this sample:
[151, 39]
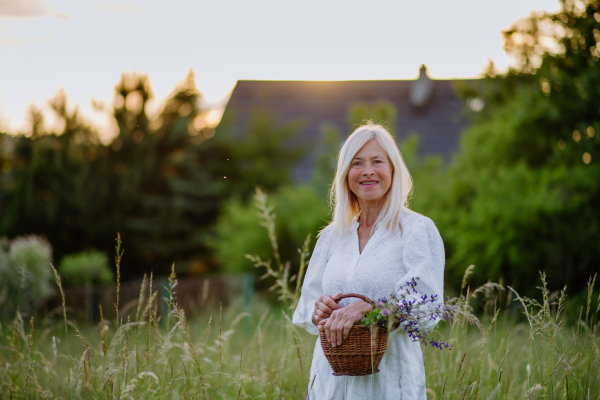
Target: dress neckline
[356, 239]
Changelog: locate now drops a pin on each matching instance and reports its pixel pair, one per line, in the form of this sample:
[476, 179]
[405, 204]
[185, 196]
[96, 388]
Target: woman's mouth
[369, 183]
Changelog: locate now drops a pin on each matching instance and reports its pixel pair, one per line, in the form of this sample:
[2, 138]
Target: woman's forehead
[371, 149]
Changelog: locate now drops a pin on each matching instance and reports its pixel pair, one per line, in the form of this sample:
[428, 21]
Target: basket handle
[344, 296]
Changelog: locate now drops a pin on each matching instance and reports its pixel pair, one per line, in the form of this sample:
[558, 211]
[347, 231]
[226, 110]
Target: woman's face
[370, 174]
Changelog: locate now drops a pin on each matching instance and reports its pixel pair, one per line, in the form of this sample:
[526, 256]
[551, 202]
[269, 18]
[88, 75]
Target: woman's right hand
[324, 306]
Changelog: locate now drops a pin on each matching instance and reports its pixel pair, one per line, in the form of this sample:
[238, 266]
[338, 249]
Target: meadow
[504, 346]
[517, 348]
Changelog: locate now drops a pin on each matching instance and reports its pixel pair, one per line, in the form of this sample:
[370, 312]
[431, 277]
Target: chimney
[421, 89]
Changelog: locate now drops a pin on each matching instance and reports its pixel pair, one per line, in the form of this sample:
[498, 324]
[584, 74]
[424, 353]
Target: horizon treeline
[160, 184]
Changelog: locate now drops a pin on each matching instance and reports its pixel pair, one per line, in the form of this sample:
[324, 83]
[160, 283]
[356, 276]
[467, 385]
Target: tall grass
[505, 356]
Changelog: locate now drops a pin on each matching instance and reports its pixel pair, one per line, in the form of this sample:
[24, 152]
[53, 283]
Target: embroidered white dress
[387, 261]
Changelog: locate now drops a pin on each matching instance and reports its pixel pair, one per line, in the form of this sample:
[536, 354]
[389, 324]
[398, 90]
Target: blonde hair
[346, 209]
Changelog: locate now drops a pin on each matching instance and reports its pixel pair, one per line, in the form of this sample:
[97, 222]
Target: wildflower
[406, 309]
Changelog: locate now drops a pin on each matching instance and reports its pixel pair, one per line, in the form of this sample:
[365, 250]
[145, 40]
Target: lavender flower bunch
[402, 310]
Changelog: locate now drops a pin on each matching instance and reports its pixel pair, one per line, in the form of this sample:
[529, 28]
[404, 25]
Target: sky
[83, 46]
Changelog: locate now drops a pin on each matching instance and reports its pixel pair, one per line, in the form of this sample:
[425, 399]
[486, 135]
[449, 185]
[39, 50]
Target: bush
[86, 268]
[25, 273]
[300, 210]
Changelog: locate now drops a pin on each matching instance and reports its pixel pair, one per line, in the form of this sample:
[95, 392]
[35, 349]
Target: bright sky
[82, 46]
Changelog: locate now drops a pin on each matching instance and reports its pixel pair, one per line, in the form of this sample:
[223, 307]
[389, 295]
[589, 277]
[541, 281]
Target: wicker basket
[359, 354]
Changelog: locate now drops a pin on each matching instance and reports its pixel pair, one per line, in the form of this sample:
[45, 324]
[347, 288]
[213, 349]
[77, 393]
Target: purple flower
[380, 304]
[385, 312]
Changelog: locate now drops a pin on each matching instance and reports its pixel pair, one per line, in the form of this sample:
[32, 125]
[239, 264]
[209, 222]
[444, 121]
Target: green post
[248, 283]
[94, 314]
[164, 307]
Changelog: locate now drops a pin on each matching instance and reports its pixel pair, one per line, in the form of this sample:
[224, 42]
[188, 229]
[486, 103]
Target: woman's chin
[370, 196]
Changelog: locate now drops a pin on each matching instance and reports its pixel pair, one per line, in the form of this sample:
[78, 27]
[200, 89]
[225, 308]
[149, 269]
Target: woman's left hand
[338, 325]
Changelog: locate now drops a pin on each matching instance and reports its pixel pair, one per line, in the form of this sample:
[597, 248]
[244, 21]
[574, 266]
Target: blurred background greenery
[521, 194]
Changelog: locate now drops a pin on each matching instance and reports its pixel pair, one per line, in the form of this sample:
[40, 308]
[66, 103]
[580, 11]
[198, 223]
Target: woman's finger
[341, 328]
[337, 328]
[328, 302]
[347, 326]
[326, 305]
[330, 328]
[321, 315]
[327, 331]
[324, 308]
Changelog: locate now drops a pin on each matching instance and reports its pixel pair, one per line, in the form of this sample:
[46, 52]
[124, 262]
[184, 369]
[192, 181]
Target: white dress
[387, 261]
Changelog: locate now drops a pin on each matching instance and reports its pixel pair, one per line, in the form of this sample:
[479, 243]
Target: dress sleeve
[312, 288]
[423, 258]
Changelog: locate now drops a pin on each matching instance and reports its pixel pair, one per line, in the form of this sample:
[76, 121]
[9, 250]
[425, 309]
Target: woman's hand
[338, 325]
[324, 306]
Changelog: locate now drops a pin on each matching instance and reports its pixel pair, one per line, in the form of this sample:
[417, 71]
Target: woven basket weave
[359, 354]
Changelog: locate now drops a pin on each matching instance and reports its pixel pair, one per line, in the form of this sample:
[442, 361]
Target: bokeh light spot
[591, 131]
[587, 158]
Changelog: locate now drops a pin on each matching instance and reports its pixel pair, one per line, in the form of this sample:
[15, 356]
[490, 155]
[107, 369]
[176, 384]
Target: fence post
[94, 313]
[164, 307]
[248, 283]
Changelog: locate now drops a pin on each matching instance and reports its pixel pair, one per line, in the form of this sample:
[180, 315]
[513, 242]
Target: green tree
[161, 182]
[326, 151]
[263, 156]
[381, 112]
[300, 210]
[522, 192]
[164, 195]
[50, 180]
[86, 268]
[25, 274]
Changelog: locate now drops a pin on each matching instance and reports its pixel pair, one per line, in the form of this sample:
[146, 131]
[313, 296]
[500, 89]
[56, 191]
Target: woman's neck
[369, 211]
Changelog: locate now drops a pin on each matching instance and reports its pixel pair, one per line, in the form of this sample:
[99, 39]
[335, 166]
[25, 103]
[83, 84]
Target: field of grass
[234, 354]
[518, 348]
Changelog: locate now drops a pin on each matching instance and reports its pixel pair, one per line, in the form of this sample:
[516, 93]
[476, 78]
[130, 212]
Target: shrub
[86, 268]
[299, 210]
[25, 273]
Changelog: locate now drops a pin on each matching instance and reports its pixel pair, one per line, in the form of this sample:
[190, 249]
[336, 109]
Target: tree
[161, 182]
[50, 179]
[381, 112]
[262, 156]
[521, 194]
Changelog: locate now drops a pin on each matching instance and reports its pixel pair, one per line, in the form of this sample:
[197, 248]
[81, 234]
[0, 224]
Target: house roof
[430, 108]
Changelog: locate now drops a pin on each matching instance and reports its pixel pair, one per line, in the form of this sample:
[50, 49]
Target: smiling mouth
[369, 183]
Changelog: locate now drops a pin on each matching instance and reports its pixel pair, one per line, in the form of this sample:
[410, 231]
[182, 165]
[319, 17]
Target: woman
[373, 245]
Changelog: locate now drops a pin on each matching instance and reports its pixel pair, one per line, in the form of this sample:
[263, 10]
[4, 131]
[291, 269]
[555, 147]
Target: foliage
[521, 194]
[281, 272]
[262, 157]
[214, 357]
[270, 358]
[299, 209]
[381, 111]
[25, 275]
[161, 182]
[326, 153]
[49, 180]
[86, 268]
[166, 195]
